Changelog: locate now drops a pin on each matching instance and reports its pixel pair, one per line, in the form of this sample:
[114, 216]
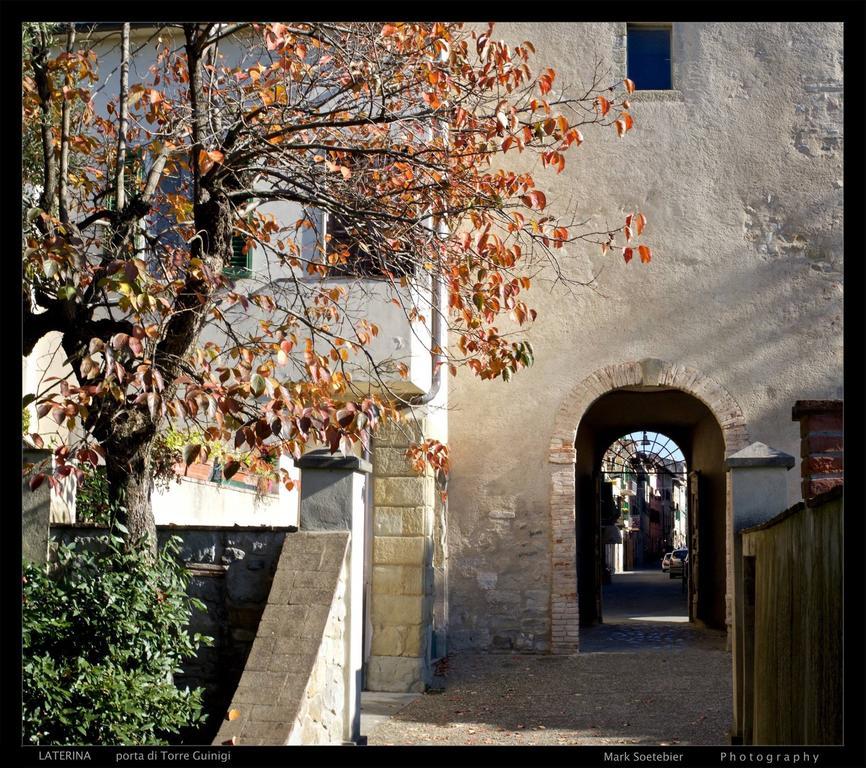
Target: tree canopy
[392, 154]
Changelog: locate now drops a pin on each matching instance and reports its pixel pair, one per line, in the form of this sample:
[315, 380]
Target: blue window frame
[649, 57]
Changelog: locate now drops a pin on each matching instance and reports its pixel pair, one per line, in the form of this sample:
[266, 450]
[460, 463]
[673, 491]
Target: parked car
[678, 558]
[666, 562]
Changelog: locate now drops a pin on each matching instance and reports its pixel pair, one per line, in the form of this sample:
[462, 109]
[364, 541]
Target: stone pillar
[821, 466]
[758, 493]
[403, 576]
[35, 512]
[332, 499]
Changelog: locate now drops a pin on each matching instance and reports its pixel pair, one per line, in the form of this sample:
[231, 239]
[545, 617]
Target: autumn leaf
[602, 105]
[629, 85]
[190, 453]
[627, 254]
[645, 254]
[230, 469]
[534, 199]
[640, 223]
[233, 714]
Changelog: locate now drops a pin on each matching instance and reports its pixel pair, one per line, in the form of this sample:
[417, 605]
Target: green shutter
[240, 264]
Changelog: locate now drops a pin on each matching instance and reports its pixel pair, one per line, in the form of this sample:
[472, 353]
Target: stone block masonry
[401, 608]
[293, 688]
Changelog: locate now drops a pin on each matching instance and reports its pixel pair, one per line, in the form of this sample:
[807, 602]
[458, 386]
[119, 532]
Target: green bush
[91, 497]
[103, 635]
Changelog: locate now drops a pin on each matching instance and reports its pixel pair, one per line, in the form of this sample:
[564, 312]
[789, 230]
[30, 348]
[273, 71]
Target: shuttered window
[649, 57]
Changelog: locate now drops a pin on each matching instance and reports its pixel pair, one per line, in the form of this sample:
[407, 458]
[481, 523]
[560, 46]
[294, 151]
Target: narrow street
[644, 677]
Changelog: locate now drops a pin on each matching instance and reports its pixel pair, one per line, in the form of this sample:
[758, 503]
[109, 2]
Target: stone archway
[649, 372]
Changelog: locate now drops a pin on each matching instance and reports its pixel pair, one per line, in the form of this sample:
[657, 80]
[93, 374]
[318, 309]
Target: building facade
[736, 161]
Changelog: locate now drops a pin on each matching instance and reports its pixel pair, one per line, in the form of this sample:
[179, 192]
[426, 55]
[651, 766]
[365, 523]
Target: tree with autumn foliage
[412, 138]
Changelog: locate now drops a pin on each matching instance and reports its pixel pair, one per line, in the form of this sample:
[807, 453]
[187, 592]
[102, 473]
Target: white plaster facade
[739, 172]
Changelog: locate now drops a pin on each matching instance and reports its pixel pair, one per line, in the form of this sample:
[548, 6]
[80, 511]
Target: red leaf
[534, 199]
[37, 440]
[230, 469]
[190, 453]
[627, 254]
[36, 481]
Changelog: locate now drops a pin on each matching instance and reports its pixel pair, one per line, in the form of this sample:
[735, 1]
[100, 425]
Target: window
[361, 260]
[649, 57]
[240, 264]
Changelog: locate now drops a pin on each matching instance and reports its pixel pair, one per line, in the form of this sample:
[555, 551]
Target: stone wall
[293, 687]
[231, 572]
[403, 577]
[793, 625]
[35, 513]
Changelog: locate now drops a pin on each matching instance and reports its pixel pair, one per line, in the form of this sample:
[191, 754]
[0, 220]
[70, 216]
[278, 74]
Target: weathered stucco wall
[793, 626]
[739, 172]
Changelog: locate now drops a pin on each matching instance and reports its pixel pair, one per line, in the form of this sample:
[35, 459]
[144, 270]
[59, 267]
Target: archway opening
[642, 493]
[683, 441]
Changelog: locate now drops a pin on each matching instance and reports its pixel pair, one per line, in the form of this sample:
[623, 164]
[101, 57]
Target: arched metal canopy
[643, 453]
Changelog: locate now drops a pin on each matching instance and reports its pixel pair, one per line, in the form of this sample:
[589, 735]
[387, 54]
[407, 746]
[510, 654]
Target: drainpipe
[436, 342]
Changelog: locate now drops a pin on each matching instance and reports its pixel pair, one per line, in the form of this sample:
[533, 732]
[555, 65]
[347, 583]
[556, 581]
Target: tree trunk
[129, 470]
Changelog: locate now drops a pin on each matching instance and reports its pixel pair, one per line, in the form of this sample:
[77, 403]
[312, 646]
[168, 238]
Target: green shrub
[103, 635]
[25, 421]
[91, 497]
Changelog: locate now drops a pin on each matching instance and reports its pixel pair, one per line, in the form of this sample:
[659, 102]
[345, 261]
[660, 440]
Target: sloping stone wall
[292, 689]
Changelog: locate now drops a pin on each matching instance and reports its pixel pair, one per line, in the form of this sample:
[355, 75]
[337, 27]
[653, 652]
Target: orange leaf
[641, 223]
[602, 105]
[645, 254]
[233, 714]
[627, 254]
[629, 121]
[534, 199]
[629, 85]
[628, 234]
[620, 126]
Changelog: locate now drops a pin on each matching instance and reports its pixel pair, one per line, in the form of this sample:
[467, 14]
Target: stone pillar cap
[759, 455]
[324, 459]
[805, 407]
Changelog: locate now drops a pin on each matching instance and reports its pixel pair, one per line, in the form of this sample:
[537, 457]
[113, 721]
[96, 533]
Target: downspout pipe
[437, 359]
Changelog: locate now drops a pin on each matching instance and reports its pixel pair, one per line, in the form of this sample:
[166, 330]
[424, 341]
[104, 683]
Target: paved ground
[646, 676]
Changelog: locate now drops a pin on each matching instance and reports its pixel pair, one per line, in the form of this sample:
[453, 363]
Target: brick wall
[821, 445]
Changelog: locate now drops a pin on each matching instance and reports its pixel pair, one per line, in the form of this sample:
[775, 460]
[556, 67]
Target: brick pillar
[822, 466]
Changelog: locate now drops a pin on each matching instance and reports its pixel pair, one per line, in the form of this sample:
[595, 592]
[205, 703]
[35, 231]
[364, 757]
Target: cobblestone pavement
[644, 677]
